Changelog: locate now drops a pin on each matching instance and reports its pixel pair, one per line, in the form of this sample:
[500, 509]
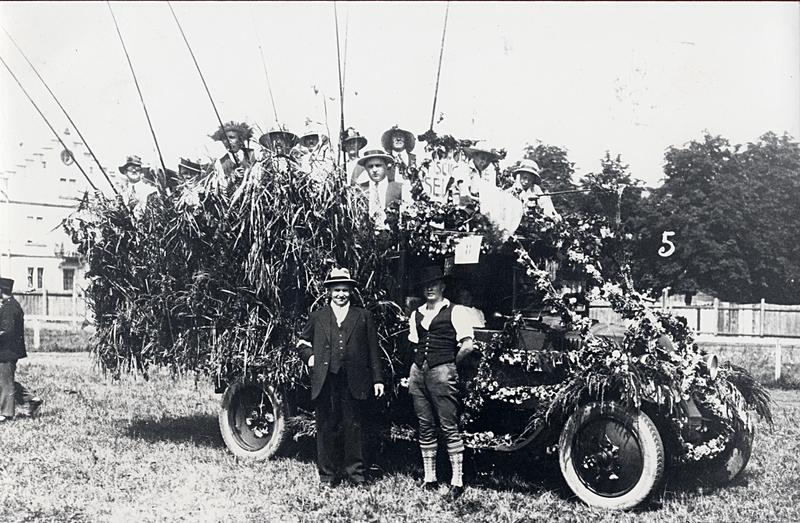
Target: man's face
[279, 144]
[133, 173]
[234, 143]
[481, 160]
[340, 294]
[376, 169]
[398, 141]
[309, 142]
[527, 180]
[434, 291]
[351, 148]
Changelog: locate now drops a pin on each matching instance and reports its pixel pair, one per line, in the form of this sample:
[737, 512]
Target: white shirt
[377, 202]
[530, 197]
[462, 320]
[340, 312]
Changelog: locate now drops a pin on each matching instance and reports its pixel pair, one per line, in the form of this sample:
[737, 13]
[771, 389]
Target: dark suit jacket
[12, 331]
[228, 165]
[362, 365]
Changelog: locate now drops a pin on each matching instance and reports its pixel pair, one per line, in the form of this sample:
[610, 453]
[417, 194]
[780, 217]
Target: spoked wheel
[253, 420]
[611, 457]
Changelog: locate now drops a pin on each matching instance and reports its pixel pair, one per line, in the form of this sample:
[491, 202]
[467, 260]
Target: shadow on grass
[200, 429]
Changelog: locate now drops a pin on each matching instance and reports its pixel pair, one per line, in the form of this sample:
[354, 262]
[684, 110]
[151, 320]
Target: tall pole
[439, 68]
[341, 89]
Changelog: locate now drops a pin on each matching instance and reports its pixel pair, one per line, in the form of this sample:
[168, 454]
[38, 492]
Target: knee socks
[429, 460]
[456, 460]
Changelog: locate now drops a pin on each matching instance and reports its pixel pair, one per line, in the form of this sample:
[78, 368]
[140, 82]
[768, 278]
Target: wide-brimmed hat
[472, 151]
[339, 276]
[289, 137]
[6, 285]
[527, 166]
[244, 131]
[386, 139]
[131, 160]
[350, 134]
[312, 130]
[377, 153]
[430, 274]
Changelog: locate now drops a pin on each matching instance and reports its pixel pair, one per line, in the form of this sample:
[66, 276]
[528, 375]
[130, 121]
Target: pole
[439, 68]
[138, 89]
[341, 89]
[77, 164]
[36, 72]
[205, 85]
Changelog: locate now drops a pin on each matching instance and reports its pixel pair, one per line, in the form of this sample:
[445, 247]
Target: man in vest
[12, 348]
[340, 345]
[442, 336]
[234, 136]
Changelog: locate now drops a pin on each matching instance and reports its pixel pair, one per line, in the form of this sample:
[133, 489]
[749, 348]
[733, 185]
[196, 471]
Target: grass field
[138, 450]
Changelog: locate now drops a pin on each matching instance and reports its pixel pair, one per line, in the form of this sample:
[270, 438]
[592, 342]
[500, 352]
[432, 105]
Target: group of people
[382, 173]
[339, 344]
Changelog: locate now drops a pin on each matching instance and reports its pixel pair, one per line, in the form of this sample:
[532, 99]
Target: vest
[338, 357]
[437, 344]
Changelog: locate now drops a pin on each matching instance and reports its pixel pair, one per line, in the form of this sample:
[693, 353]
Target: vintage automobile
[612, 453]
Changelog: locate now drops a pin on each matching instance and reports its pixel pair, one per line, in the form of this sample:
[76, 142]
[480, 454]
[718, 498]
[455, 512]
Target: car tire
[610, 456]
[253, 420]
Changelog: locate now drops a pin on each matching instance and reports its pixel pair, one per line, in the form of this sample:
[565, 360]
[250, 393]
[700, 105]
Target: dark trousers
[340, 438]
[11, 392]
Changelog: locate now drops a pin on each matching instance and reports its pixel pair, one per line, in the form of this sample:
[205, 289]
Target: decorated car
[218, 279]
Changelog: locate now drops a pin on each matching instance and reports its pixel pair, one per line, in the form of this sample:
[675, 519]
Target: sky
[630, 78]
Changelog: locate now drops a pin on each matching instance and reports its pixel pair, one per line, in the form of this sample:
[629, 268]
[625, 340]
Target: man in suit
[380, 192]
[340, 345]
[12, 348]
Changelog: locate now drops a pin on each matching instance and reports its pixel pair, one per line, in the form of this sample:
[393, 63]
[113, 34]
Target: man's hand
[311, 361]
[378, 389]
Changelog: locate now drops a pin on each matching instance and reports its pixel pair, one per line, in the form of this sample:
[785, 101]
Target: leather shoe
[453, 493]
[3, 419]
[429, 485]
[33, 407]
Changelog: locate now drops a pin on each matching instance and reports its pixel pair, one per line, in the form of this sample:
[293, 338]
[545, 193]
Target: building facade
[36, 195]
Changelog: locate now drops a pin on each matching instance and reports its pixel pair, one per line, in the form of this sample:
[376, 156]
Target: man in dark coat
[12, 348]
[340, 345]
[380, 192]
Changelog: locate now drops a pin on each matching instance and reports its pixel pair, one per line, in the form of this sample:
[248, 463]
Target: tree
[733, 211]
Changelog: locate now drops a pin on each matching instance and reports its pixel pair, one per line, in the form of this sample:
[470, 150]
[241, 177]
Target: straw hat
[527, 166]
[289, 137]
[493, 153]
[377, 153]
[351, 134]
[338, 275]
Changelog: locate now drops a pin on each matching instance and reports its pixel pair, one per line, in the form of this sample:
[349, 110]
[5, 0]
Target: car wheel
[610, 456]
[253, 420]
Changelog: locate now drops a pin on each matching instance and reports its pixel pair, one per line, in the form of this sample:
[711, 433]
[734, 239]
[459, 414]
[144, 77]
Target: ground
[136, 450]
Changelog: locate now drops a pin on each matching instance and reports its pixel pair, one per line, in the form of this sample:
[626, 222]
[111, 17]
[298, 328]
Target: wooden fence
[725, 319]
[54, 306]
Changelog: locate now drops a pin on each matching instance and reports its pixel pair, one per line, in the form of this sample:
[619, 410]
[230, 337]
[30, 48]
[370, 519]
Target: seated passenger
[352, 144]
[475, 315]
[278, 144]
[483, 169]
[527, 189]
[314, 154]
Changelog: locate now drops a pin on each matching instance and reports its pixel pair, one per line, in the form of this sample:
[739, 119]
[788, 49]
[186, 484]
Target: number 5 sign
[668, 248]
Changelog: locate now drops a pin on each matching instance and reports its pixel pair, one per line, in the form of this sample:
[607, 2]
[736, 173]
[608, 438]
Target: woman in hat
[141, 183]
[442, 335]
[340, 346]
[278, 145]
[352, 142]
[527, 189]
[483, 168]
[400, 143]
[314, 154]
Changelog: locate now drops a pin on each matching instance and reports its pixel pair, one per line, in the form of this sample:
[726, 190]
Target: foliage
[220, 276]
[733, 211]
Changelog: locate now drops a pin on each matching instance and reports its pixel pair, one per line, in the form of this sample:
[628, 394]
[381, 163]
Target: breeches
[434, 392]
[11, 392]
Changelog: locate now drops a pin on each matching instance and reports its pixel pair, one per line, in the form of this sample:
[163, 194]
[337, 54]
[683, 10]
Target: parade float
[217, 276]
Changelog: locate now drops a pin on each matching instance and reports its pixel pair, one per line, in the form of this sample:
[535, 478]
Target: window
[69, 279]
[39, 277]
[30, 276]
